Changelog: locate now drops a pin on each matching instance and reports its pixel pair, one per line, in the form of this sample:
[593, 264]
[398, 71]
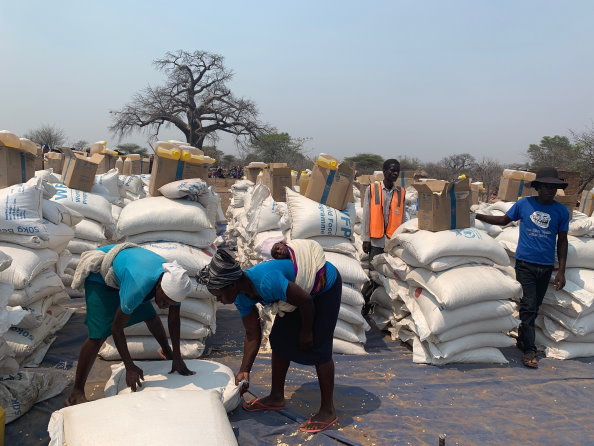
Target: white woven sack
[391, 266]
[439, 264]
[43, 285]
[349, 268]
[57, 213]
[87, 204]
[73, 262]
[556, 332]
[347, 348]
[100, 190]
[109, 180]
[34, 313]
[20, 392]
[311, 219]
[382, 298]
[492, 230]
[564, 349]
[199, 310]
[501, 324]
[472, 342]
[352, 315]
[189, 329]
[199, 291]
[78, 246]
[48, 175]
[182, 188]
[23, 341]
[103, 421]
[431, 319]
[484, 355]
[509, 239]
[426, 246]
[5, 261]
[465, 285]
[58, 237]
[581, 225]
[339, 245]
[147, 347]
[26, 265]
[580, 252]
[566, 301]
[130, 183]
[210, 375]
[349, 332]
[162, 214]
[21, 209]
[190, 258]
[91, 230]
[115, 212]
[200, 239]
[580, 326]
[351, 296]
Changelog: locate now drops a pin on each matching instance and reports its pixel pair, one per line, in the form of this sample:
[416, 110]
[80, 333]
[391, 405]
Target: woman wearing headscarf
[303, 335]
[120, 283]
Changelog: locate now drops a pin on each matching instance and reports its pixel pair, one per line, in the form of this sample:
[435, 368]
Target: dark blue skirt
[284, 337]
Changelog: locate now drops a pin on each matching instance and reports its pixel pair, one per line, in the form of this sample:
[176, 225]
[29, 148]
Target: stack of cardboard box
[444, 205]
[332, 187]
[78, 171]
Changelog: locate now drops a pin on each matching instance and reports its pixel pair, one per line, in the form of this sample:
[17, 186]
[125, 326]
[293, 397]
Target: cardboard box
[16, 166]
[167, 171]
[405, 179]
[331, 187]
[444, 205]
[104, 162]
[54, 161]
[277, 178]
[569, 201]
[78, 172]
[145, 166]
[511, 190]
[587, 202]
[251, 173]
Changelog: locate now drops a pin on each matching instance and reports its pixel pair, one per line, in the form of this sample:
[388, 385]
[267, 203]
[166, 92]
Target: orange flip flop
[249, 406]
[325, 425]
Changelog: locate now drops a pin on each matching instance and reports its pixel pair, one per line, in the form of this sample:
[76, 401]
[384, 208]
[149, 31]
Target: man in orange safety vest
[383, 213]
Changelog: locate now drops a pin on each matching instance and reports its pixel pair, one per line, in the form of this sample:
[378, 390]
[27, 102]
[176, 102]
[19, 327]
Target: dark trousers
[534, 279]
[370, 286]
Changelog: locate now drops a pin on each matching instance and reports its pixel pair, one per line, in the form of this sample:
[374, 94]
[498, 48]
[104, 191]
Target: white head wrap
[175, 282]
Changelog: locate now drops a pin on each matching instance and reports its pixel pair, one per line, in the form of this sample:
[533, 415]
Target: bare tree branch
[194, 98]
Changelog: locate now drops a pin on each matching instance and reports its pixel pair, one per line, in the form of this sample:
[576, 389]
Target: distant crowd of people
[218, 172]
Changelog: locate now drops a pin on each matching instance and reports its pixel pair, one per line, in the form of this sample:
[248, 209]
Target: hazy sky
[417, 78]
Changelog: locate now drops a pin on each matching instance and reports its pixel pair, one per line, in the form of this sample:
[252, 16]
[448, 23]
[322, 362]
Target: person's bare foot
[262, 403]
[76, 397]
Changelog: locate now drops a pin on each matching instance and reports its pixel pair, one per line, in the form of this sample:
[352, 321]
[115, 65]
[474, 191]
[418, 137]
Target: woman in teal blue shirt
[303, 336]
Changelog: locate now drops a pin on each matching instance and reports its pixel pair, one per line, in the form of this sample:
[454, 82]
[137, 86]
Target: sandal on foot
[529, 360]
[256, 406]
[325, 425]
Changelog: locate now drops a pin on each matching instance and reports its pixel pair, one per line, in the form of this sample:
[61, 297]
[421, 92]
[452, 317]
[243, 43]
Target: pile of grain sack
[256, 222]
[34, 233]
[565, 325]
[179, 226]
[448, 294]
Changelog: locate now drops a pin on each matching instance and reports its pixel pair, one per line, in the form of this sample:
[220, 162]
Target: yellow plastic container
[172, 152]
[327, 162]
[304, 181]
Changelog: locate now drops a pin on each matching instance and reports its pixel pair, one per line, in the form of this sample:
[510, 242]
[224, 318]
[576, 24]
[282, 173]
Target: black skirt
[284, 337]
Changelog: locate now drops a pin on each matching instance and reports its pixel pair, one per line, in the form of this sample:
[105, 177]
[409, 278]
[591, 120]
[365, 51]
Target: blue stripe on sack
[179, 173]
[329, 182]
[453, 206]
[23, 168]
[521, 190]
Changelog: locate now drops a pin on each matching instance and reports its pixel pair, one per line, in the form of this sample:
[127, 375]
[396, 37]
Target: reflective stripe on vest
[377, 225]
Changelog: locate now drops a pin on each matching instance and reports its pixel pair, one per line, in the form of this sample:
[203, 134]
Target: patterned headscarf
[221, 272]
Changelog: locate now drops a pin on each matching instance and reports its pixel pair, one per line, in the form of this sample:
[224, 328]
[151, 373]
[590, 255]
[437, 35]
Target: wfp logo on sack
[61, 192]
[469, 233]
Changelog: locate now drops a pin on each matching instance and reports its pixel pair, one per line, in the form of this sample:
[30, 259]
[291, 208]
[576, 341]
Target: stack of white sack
[333, 230]
[179, 230]
[34, 232]
[240, 193]
[458, 289]
[98, 226]
[258, 227]
[565, 326]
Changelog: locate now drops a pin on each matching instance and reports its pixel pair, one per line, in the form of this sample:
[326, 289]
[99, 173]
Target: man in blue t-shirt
[543, 226]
